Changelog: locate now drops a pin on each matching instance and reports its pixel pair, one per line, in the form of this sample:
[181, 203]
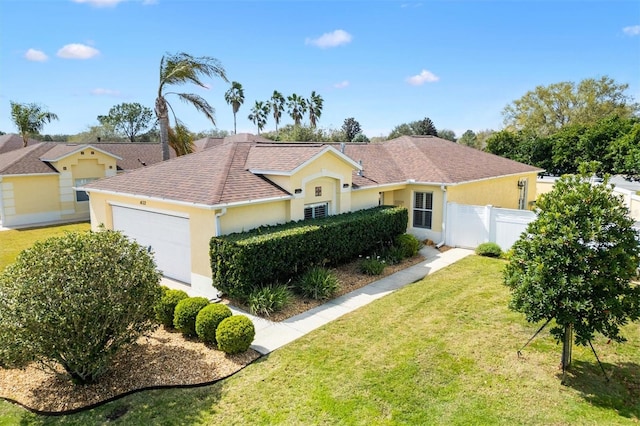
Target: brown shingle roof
[214, 176]
[221, 174]
[26, 160]
[29, 160]
[10, 142]
[280, 157]
[430, 159]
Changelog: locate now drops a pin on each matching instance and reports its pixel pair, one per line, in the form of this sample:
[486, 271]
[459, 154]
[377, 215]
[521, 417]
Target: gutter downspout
[218, 216]
[443, 188]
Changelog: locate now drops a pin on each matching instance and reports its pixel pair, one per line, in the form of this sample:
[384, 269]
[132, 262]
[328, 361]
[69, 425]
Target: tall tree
[575, 262]
[183, 68]
[546, 109]
[425, 127]
[447, 134]
[235, 97]
[314, 104]
[351, 128]
[297, 107]
[131, 119]
[276, 104]
[259, 114]
[419, 127]
[30, 119]
[468, 138]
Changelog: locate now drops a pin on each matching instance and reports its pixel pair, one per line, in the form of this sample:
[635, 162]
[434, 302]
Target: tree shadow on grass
[621, 393]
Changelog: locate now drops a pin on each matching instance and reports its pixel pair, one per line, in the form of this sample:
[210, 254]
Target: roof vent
[361, 171]
[342, 147]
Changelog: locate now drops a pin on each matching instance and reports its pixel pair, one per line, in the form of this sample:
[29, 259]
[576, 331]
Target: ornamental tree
[575, 262]
[77, 301]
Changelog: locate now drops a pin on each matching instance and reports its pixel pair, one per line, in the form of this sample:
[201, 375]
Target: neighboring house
[40, 183]
[9, 142]
[242, 182]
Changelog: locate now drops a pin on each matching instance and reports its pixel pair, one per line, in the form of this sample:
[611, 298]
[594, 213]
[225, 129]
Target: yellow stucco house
[241, 183]
[40, 183]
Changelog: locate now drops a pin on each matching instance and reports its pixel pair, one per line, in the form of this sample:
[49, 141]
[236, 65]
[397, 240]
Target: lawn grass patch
[440, 351]
[12, 242]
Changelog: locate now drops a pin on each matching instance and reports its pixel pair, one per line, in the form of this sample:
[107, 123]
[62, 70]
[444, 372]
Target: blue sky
[382, 62]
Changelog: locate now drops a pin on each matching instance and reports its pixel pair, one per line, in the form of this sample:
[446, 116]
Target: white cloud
[632, 30]
[105, 92]
[77, 51]
[424, 77]
[341, 85]
[35, 55]
[333, 39]
[100, 3]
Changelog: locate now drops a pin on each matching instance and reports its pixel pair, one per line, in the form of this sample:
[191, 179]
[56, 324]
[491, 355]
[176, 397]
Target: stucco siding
[30, 199]
[244, 218]
[499, 192]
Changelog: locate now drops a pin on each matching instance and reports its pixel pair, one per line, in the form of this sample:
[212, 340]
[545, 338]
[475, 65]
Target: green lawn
[14, 241]
[441, 351]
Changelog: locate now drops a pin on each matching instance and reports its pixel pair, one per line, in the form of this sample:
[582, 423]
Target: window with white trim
[316, 211]
[82, 195]
[422, 209]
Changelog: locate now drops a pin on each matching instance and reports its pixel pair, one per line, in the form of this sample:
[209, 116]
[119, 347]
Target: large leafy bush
[76, 301]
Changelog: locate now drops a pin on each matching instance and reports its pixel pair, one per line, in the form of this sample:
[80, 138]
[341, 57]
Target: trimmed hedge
[245, 261]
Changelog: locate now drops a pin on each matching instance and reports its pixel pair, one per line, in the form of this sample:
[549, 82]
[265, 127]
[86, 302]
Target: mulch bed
[163, 359]
[350, 279]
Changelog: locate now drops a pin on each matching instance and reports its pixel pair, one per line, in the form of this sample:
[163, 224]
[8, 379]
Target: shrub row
[245, 261]
[212, 323]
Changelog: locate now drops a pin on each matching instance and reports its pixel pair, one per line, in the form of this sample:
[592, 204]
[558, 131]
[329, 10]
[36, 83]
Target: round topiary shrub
[184, 316]
[489, 250]
[235, 334]
[408, 244]
[165, 308]
[77, 301]
[208, 319]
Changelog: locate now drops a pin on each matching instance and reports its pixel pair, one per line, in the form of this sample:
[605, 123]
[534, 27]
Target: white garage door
[167, 235]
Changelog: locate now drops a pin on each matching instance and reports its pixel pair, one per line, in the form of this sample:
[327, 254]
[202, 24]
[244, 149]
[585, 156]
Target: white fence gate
[469, 226]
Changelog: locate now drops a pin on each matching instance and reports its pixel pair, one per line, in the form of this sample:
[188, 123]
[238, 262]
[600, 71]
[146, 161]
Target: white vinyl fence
[469, 226]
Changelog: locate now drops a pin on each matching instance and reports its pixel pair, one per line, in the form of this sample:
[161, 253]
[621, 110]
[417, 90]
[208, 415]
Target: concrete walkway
[272, 335]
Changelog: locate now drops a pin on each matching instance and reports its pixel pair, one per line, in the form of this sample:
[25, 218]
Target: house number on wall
[144, 203]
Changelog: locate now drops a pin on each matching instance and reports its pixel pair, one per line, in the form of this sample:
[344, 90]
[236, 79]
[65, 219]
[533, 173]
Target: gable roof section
[429, 159]
[60, 151]
[211, 177]
[287, 159]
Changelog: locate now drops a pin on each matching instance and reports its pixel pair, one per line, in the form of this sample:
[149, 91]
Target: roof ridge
[228, 165]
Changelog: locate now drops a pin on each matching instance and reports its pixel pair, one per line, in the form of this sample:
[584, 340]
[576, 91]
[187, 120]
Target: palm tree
[183, 68]
[30, 119]
[315, 108]
[297, 106]
[276, 105]
[234, 97]
[259, 114]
